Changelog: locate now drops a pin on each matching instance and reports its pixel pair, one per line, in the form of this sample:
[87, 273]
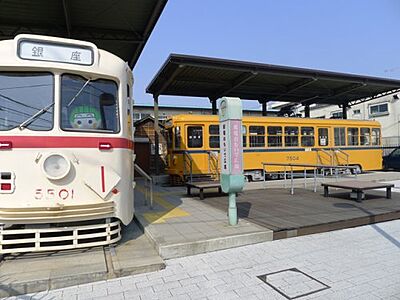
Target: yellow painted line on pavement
[171, 211]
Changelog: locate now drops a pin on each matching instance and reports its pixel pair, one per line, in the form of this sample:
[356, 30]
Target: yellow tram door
[196, 156]
[322, 143]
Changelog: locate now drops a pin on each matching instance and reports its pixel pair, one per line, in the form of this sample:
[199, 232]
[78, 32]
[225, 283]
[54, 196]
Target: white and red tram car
[66, 144]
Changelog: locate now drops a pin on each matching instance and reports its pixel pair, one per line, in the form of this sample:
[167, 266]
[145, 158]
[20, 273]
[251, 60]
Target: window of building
[378, 109]
[244, 133]
[291, 136]
[323, 139]
[178, 138]
[274, 136]
[356, 112]
[337, 115]
[339, 136]
[213, 131]
[352, 136]
[257, 136]
[307, 136]
[376, 136]
[195, 136]
[365, 136]
[136, 116]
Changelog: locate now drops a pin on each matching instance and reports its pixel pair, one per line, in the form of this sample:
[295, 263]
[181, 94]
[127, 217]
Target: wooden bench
[359, 187]
[202, 186]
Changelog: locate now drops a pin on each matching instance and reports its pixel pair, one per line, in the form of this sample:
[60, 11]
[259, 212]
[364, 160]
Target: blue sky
[351, 36]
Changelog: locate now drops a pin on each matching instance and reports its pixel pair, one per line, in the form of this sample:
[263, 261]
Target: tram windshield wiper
[78, 93]
[35, 116]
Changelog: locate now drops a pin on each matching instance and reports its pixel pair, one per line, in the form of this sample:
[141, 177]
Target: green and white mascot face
[85, 117]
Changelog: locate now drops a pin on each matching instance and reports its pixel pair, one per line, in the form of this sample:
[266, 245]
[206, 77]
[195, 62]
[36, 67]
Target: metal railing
[188, 160]
[329, 154]
[305, 168]
[213, 165]
[148, 194]
[343, 154]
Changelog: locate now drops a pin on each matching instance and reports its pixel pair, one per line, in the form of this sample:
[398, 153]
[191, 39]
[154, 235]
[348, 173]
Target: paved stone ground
[357, 263]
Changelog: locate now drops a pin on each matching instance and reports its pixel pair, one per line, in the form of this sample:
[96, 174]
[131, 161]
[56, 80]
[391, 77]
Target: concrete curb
[168, 251]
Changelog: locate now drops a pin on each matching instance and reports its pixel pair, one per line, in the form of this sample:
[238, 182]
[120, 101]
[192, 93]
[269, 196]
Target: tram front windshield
[27, 102]
[89, 106]
[26, 98]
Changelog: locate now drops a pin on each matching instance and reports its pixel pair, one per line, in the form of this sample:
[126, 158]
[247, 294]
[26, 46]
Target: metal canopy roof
[121, 27]
[183, 75]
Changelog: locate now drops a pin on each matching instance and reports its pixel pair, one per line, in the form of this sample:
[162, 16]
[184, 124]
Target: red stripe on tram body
[65, 142]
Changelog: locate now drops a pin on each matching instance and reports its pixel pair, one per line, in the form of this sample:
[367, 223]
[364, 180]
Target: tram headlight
[56, 166]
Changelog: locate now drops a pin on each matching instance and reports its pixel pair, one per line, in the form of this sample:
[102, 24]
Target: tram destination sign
[55, 52]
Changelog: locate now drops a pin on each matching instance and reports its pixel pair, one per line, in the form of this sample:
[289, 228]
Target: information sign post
[230, 128]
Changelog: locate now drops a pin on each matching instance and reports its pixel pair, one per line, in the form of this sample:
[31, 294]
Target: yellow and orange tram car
[193, 144]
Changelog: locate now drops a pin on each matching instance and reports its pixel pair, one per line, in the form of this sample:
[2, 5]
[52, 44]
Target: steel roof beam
[67, 17]
[241, 79]
[78, 32]
[297, 85]
[170, 79]
[147, 31]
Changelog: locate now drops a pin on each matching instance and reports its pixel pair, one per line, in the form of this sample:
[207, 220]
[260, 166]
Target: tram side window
[213, 131]
[244, 134]
[291, 136]
[376, 136]
[365, 138]
[257, 136]
[177, 136]
[340, 136]
[352, 136]
[323, 139]
[195, 136]
[274, 136]
[89, 106]
[307, 136]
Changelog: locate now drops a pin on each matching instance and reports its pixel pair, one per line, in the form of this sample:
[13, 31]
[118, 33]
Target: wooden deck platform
[307, 212]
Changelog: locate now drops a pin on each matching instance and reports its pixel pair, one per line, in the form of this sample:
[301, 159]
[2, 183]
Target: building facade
[385, 110]
[143, 111]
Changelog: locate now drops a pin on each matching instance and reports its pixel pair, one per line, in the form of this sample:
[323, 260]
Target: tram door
[323, 137]
[324, 158]
[196, 148]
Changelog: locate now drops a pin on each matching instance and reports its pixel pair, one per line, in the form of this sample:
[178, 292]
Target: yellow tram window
[352, 136]
[257, 136]
[291, 136]
[365, 136]
[274, 136]
[323, 138]
[307, 136]
[195, 136]
[177, 137]
[213, 140]
[376, 136]
[244, 133]
[340, 136]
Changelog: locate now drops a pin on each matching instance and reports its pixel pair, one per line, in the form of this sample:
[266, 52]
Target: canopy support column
[264, 106]
[344, 111]
[213, 107]
[156, 137]
[307, 110]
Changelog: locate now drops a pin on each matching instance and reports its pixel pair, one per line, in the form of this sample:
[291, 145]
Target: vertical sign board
[232, 179]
